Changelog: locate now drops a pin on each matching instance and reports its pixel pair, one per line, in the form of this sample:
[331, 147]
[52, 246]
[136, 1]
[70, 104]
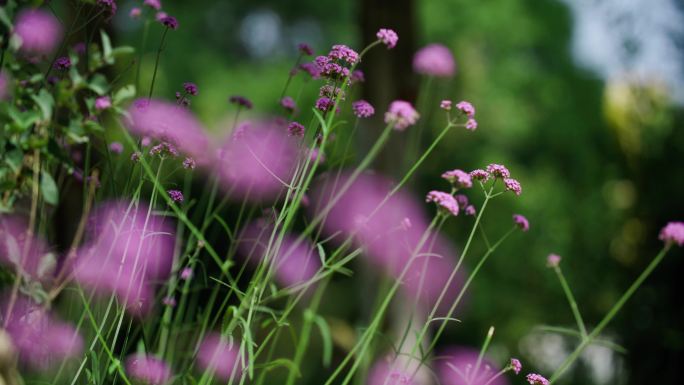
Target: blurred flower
[388, 37]
[40, 32]
[466, 108]
[109, 7]
[305, 49]
[154, 4]
[357, 76]
[190, 88]
[164, 149]
[102, 103]
[176, 195]
[169, 301]
[219, 356]
[295, 129]
[458, 178]
[385, 373]
[135, 157]
[128, 250]
[401, 114]
[240, 101]
[443, 200]
[515, 365]
[148, 370]
[168, 122]
[256, 163]
[521, 222]
[288, 103]
[434, 60]
[324, 104]
[536, 379]
[186, 273]
[513, 185]
[471, 124]
[445, 105]
[480, 174]
[459, 367]
[363, 109]
[498, 171]
[135, 13]
[79, 48]
[169, 22]
[470, 210]
[23, 251]
[673, 232]
[189, 163]
[63, 63]
[312, 69]
[159, 16]
[41, 340]
[116, 147]
[553, 260]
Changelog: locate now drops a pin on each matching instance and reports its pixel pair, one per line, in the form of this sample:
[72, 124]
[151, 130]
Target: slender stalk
[573, 303]
[156, 62]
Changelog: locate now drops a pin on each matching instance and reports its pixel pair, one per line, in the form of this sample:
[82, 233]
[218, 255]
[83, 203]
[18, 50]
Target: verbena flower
[513, 185]
[313, 69]
[470, 210]
[673, 232]
[186, 273]
[521, 222]
[175, 195]
[443, 200]
[148, 370]
[434, 60]
[324, 104]
[515, 365]
[466, 108]
[109, 7]
[331, 92]
[40, 32]
[363, 109]
[445, 105]
[471, 124]
[288, 103]
[295, 129]
[170, 22]
[154, 4]
[305, 49]
[63, 63]
[401, 114]
[189, 163]
[357, 76]
[219, 356]
[240, 101]
[135, 157]
[458, 178]
[190, 88]
[461, 199]
[480, 175]
[164, 149]
[536, 379]
[116, 147]
[388, 37]
[135, 13]
[498, 171]
[553, 260]
[343, 53]
[103, 103]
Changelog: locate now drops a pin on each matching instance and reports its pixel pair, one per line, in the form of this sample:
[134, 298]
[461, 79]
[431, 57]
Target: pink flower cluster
[673, 232]
[219, 356]
[536, 379]
[401, 115]
[443, 200]
[363, 109]
[148, 369]
[434, 60]
[39, 31]
[458, 178]
[522, 222]
[388, 37]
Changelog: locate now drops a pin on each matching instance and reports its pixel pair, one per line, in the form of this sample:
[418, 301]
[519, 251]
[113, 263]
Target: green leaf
[98, 83]
[327, 339]
[14, 159]
[122, 51]
[123, 94]
[106, 48]
[49, 188]
[45, 101]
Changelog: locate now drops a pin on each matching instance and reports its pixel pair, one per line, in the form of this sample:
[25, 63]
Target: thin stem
[573, 303]
[156, 63]
[485, 345]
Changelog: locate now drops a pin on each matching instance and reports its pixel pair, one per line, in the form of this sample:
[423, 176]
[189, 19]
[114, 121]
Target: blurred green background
[599, 153]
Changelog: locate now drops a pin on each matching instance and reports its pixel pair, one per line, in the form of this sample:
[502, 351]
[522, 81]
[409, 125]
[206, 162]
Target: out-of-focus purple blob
[256, 163]
[19, 249]
[42, 341]
[220, 356]
[384, 237]
[383, 373]
[148, 370]
[294, 263]
[434, 60]
[457, 367]
[169, 122]
[126, 254]
[39, 31]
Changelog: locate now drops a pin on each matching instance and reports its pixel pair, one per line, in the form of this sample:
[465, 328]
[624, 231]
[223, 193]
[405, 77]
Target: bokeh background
[581, 99]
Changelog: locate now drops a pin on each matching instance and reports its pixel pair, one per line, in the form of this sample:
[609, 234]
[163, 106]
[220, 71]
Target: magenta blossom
[363, 109]
[466, 108]
[220, 356]
[116, 148]
[295, 129]
[39, 31]
[673, 232]
[169, 22]
[103, 103]
[445, 105]
[536, 379]
[154, 4]
[288, 103]
[357, 76]
[305, 49]
[443, 200]
[148, 370]
[401, 114]
[522, 222]
[513, 185]
[62, 63]
[175, 195]
[471, 124]
[186, 273]
[434, 60]
[135, 13]
[459, 367]
[388, 37]
[189, 163]
[385, 372]
[23, 251]
[515, 365]
[498, 171]
[480, 175]
[553, 260]
[458, 178]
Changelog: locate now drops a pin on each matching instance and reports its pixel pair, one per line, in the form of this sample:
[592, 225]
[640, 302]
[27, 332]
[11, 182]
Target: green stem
[156, 63]
[573, 303]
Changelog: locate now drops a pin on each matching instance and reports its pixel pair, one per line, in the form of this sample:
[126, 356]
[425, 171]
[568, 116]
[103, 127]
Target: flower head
[324, 104]
[363, 109]
[135, 157]
[470, 210]
[313, 69]
[388, 37]
[39, 31]
[401, 114]
[164, 149]
[673, 232]
[553, 260]
[357, 76]
[515, 365]
[466, 108]
[480, 174]
[513, 185]
[116, 147]
[148, 370]
[135, 13]
[444, 200]
[343, 53]
[471, 124]
[154, 4]
[175, 195]
[189, 163]
[102, 103]
[240, 101]
[63, 63]
[109, 7]
[536, 379]
[445, 105]
[305, 49]
[219, 356]
[521, 222]
[288, 103]
[434, 60]
[498, 171]
[169, 22]
[295, 129]
[190, 88]
[458, 178]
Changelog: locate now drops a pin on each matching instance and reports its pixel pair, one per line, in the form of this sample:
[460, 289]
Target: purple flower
[458, 178]
[480, 174]
[39, 31]
[116, 147]
[324, 104]
[169, 22]
[288, 103]
[186, 273]
[295, 129]
[458, 367]
[521, 222]
[466, 108]
[390, 371]
[79, 48]
[553, 260]
[219, 356]
[20, 250]
[357, 76]
[305, 49]
[673, 232]
[63, 63]
[536, 379]
[102, 103]
[313, 69]
[189, 163]
[164, 149]
[343, 53]
[498, 171]
[154, 4]
[363, 109]
[135, 157]
[471, 124]
[388, 37]
[470, 210]
[513, 185]
[317, 155]
[190, 88]
[401, 114]
[461, 199]
[444, 200]
[148, 370]
[135, 13]
[240, 101]
[176, 195]
[445, 105]
[515, 365]
[109, 7]
[159, 16]
[434, 60]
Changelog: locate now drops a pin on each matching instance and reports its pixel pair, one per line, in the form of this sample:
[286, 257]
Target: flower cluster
[673, 232]
[388, 37]
[522, 222]
[458, 178]
[443, 200]
[553, 260]
[240, 101]
[536, 379]
[288, 103]
[434, 60]
[189, 89]
[295, 129]
[515, 365]
[401, 114]
[175, 195]
[363, 109]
